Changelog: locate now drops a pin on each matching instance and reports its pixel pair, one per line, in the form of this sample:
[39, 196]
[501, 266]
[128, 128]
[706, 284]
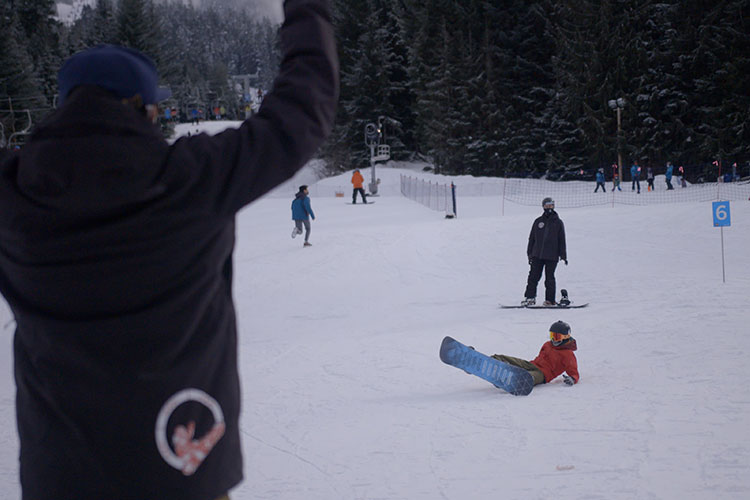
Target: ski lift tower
[379, 151]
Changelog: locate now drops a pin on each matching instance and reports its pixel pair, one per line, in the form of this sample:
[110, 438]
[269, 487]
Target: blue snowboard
[512, 379]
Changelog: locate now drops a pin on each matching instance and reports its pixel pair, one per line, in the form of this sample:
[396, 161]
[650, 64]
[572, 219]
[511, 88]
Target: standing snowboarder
[358, 183]
[301, 213]
[546, 246]
[555, 357]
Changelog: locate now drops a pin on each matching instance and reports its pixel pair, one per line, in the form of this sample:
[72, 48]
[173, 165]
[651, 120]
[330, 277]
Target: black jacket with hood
[547, 238]
[116, 260]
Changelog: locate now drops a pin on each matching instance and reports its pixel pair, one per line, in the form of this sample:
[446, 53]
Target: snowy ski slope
[344, 396]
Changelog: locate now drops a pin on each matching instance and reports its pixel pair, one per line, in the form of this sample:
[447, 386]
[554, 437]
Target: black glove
[568, 380]
[564, 260]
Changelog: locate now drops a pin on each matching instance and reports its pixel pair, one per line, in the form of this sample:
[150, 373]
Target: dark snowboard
[512, 379]
[570, 306]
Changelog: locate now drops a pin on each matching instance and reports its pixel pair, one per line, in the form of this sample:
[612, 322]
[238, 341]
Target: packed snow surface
[344, 396]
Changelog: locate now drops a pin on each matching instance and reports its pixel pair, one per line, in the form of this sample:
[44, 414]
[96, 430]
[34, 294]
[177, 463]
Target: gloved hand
[564, 260]
[568, 380]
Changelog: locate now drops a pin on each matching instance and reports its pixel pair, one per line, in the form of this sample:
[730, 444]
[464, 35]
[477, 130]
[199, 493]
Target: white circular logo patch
[541, 225]
[188, 453]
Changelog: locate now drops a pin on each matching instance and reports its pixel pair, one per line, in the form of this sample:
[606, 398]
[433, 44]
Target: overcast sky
[270, 8]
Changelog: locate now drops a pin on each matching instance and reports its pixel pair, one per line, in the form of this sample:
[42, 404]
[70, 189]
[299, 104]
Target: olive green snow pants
[530, 367]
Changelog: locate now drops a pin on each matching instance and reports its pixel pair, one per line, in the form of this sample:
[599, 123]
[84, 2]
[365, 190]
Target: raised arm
[240, 165]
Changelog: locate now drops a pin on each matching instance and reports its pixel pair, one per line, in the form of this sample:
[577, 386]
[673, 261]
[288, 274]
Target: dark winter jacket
[635, 172]
[116, 260]
[301, 209]
[668, 173]
[553, 361]
[600, 177]
[547, 238]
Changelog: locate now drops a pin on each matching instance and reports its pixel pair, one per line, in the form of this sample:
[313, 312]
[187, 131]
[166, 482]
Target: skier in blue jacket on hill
[301, 213]
[635, 173]
[668, 175]
[600, 180]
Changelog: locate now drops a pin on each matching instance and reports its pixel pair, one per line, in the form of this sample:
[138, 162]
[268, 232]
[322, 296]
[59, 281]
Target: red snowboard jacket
[555, 360]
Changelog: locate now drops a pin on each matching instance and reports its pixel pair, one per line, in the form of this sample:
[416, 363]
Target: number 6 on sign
[722, 216]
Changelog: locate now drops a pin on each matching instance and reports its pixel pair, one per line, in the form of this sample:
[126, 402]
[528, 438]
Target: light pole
[375, 140]
[372, 139]
[617, 105]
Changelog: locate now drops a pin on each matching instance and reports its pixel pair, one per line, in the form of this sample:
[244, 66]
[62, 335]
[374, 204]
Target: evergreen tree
[374, 80]
[715, 40]
[661, 104]
[139, 28]
[431, 56]
[526, 83]
[42, 39]
[19, 88]
[588, 73]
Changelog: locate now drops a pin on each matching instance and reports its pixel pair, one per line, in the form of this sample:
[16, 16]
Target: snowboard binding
[564, 301]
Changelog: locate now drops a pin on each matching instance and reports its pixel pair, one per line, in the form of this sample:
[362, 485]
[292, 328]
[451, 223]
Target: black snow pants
[535, 274]
[354, 195]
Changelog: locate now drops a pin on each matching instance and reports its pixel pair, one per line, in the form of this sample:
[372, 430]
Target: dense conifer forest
[511, 87]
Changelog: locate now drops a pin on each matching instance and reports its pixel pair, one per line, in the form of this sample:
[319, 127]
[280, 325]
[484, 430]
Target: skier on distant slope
[358, 182]
[600, 180]
[301, 213]
[546, 246]
[555, 357]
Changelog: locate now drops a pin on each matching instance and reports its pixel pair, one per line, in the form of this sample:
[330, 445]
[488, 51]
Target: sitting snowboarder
[555, 357]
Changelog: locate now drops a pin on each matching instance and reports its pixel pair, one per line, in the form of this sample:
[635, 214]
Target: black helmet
[548, 201]
[559, 332]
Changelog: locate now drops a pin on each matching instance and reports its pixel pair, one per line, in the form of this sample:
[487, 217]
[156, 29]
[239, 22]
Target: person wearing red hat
[116, 261]
[555, 358]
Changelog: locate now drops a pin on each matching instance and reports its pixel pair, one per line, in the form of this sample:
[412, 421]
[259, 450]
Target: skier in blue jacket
[635, 173]
[301, 213]
[600, 180]
[668, 175]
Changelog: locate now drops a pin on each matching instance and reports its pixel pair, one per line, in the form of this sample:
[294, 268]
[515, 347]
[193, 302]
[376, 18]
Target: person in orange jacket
[357, 182]
[555, 357]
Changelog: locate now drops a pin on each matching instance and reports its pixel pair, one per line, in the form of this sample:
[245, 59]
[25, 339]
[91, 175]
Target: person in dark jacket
[555, 357]
[650, 178]
[546, 246]
[301, 213]
[116, 260]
